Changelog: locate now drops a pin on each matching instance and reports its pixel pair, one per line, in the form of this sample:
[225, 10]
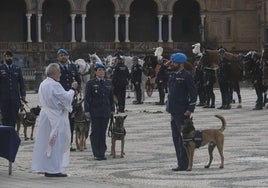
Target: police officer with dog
[12, 89]
[182, 97]
[69, 74]
[99, 106]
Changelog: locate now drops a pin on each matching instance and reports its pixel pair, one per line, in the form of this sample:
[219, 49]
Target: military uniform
[223, 74]
[210, 80]
[161, 81]
[136, 73]
[99, 103]
[12, 88]
[182, 97]
[258, 84]
[69, 74]
[120, 81]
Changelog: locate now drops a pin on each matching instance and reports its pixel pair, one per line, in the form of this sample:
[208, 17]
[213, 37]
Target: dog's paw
[207, 166]
[221, 167]
[26, 138]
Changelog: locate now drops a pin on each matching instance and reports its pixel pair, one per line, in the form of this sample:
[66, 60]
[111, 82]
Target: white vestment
[56, 103]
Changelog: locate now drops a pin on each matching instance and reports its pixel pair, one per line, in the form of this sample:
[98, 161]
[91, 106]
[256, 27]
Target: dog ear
[125, 116]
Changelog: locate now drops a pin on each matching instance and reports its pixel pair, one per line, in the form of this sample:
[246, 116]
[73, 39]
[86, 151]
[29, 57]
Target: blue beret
[99, 65]
[62, 51]
[179, 58]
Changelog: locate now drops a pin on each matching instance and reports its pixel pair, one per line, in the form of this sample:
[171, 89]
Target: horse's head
[196, 49]
[82, 66]
[94, 58]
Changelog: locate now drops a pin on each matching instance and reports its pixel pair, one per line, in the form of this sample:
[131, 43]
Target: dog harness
[197, 139]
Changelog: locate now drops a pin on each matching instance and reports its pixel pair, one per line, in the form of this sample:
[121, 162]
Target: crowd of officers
[205, 79]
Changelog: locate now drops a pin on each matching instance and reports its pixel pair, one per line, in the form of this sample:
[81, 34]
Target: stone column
[29, 27]
[83, 28]
[160, 28]
[73, 27]
[203, 27]
[127, 28]
[170, 28]
[116, 17]
[39, 27]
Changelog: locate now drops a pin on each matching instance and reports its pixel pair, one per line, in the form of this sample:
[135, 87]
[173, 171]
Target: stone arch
[143, 21]
[15, 20]
[100, 30]
[186, 21]
[158, 3]
[58, 18]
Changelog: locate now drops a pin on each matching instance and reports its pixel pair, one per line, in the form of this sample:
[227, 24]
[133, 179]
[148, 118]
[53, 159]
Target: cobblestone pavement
[150, 153]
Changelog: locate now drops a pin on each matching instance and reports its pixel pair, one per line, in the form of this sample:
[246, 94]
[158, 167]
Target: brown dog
[118, 132]
[27, 119]
[213, 137]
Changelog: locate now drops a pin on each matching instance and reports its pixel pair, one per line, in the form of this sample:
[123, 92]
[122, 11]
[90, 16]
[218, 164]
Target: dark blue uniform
[136, 72]
[258, 84]
[12, 88]
[99, 102]
[161, 81]
[182, 97]
[120, 81]
[69, 74]
[210, 80]
[224, 81]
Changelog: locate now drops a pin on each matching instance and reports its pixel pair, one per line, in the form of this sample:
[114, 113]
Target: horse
[210, 59]
[84, 71]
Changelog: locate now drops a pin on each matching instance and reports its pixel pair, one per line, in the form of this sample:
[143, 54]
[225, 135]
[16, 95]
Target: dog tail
[222, 121]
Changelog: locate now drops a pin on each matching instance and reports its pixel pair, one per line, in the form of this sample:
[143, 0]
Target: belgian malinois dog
[212, 137]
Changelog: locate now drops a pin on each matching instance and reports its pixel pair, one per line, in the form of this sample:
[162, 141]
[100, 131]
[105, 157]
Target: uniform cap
[221, 51]
[9, 53]
[62, 51]
[179, 58]
[99, 65]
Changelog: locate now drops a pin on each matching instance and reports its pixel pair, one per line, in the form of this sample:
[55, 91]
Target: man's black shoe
[55, 175]
[221, 107]
[177, 169]
[212, 106]
[72, 149]
[226, 107]
[257, 108]
[100, 158]
[206, 106]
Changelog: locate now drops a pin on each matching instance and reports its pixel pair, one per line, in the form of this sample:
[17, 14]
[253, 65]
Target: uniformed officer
[99, 105]
[120, 81]
[161, 81]
[257, 81]
[210, 80]
[136, 73]
[69, 74]
[181, 103]
[224, 80]
[12, 89]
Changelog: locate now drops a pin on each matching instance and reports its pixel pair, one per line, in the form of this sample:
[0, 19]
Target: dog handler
[52, 145]
[99, 105]
[181, 103]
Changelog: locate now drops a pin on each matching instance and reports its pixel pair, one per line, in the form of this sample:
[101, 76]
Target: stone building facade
[42, 26]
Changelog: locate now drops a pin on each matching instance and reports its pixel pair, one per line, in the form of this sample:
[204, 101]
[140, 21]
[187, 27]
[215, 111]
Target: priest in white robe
[52, 145]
